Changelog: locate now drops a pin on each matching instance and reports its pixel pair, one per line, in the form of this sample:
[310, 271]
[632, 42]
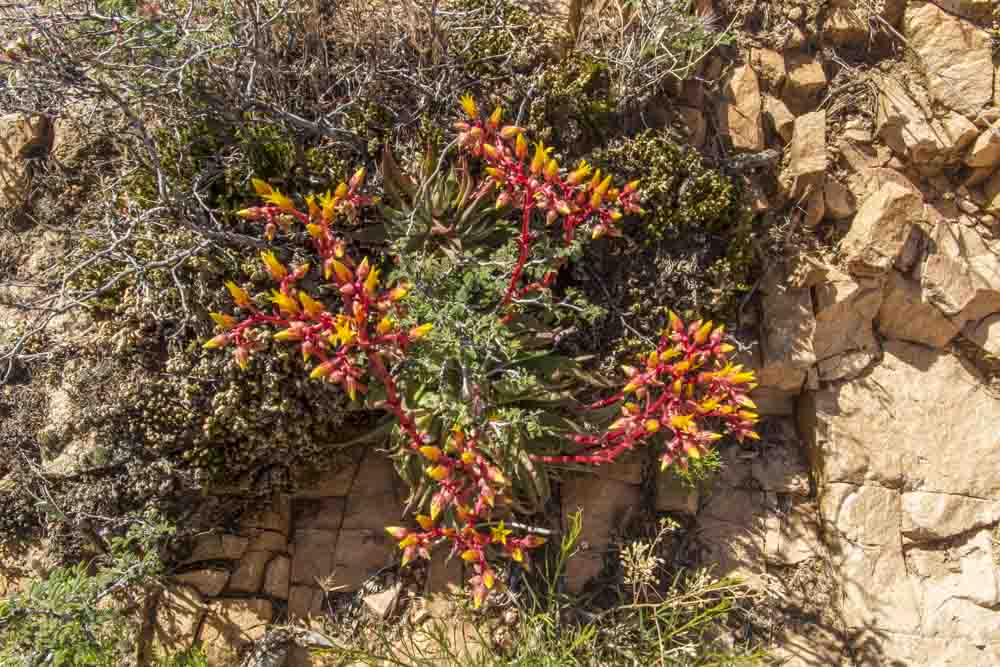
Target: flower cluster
[581, 197]
[688, 390]
[470, 488]
[358, 338]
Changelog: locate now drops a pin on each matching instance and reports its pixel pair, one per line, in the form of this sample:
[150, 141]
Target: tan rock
[992, 192]
[20, 137]
[444, 575]
[249, 574]
[937, 516]
[845, 308]
[781, 467]
[872, 645]
[697, 126]
[673, 495]
[213, 546]
[383, 603]
[209, 582]
[312, 559]
[606, 505]
[730, 531]
[956, 56]
[179, 613]
[985, 152]
[807, 155]
[806, 80]
[840, 203]
[329, 484]
[793, 536]
[906, 314]
[277, 577]
[845, 27]
[899, 426]
[770, 67]
[906, 122]
[781, 118]
[739, 114]
[881, 229]
[319, 514]
[985, 333]
[277, 516]
[961, 274]
[360, 553]
[788, 326]
[230, 626]
[973, 10]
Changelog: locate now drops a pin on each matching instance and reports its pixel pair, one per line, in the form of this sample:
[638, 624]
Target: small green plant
[683, 399]
[84, 614]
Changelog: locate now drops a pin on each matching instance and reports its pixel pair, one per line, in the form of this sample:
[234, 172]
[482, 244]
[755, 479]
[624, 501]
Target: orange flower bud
[494, 121]
[397, 532]
[219, 341]
[470, 555]
[226, 322]
[425, 521]
[652, 426]
[357, 179]
[469, 106]
[520, 147]
[322, 370]
[274, 267]
[261, 187]
[239, 295]
[417, 333]
[438, 473]
[430, 453]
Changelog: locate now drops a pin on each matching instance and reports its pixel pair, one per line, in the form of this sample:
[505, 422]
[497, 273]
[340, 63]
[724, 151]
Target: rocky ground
[869, 509]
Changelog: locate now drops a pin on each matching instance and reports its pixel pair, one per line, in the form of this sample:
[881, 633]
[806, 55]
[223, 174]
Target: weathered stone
[793, 536]
[695, 123]
[972, 10]
[844, 27]
[673, 495]
[739, 114]
[871, 646]
[781, 118]
[985, 152]
[992, 188]
[208, 581]
[840, 203]
[905, 120]
[936, 516]
[179, 613]
[21, 137]
[606, 504]
[277, 516]
[807, 156]
[806, 80]
[781, 467]
[918, 421]
[360, 553]
[277, 577]
[906, 314]
[961, 274]
[230, 626]
[213, 546]
[788, 326]
[956, 56]
[730, 531]
[329, 484]
[881, 229]
[770, 67]
[444, 575]
[845, 309]
[320, 514]
[985, 333]
[249, 574]
[312, 559]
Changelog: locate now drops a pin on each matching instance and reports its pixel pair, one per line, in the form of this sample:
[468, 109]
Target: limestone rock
[907, 314]
[179, 613]
[955, 54]
[382, 604]
[304, 602]
[844, 27]
[249, 574]
[985, 152]
[739, 114]
[793, 536]
[961, 274]
[207, 581]
[806, 80]
[881, 229]
[606, 505]
[781, 118]
[845, 308]
[731, 529]
[788, 326]
[277, 577]
[840, 203]
[985, 333]
[230, 626]
[781, 467]
[906, 122]
[918, 421]
[213, 546]
[276, 517]
[972, 10]
[807, 155]
[312, 559]
[770, 67]
[937, 516]
[695, 123]
[20, 138]
[328, 484]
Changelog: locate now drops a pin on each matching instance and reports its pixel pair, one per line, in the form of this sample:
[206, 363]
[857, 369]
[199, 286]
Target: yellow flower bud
[274, 267]
[438, 473]
[239, 294]
[430, 453]
[469, 106]
[417, 333]
[219, 341]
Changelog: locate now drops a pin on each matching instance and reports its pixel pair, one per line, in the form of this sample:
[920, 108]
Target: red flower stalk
[687, 391]
[574, 199]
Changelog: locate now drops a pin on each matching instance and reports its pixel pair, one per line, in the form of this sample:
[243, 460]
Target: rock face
[881, 229]
[961, 274]
[907, 314]
[910, 494]
[739, 115]
[955, 54]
